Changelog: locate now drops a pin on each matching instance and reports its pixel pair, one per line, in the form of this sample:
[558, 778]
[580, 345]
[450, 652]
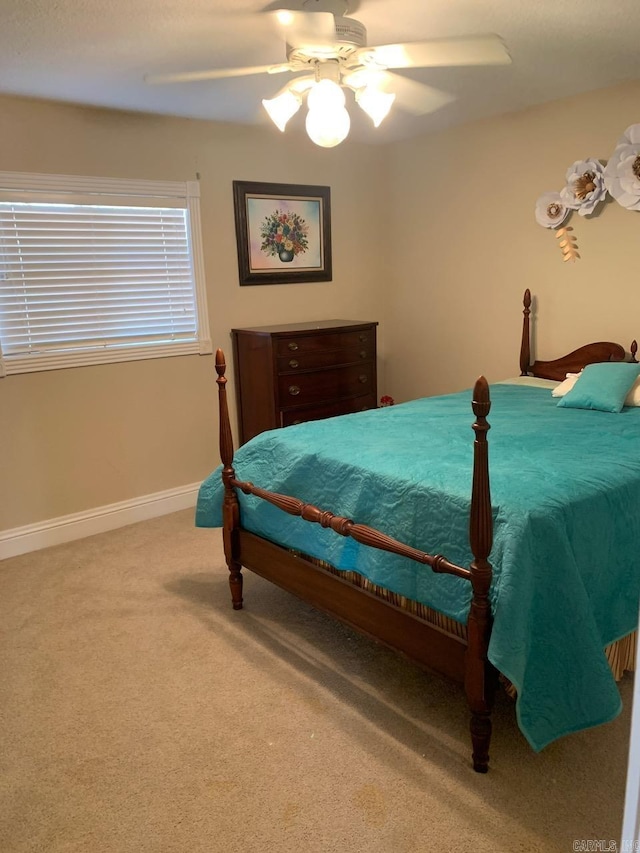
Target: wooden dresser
[303, 372]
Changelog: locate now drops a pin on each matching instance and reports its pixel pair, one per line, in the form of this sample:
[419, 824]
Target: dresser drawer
[331, 384]
[315, 343]
[327, 410]
[297, 362]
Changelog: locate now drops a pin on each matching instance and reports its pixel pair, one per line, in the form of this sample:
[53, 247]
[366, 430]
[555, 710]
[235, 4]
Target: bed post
[480, 676]
[230, 506]
[525, 350]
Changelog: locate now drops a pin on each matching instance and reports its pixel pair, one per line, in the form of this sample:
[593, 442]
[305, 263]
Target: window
[98, 270]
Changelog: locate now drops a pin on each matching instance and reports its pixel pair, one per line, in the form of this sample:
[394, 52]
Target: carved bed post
[480, 676]
[525, 350]
[230, 506]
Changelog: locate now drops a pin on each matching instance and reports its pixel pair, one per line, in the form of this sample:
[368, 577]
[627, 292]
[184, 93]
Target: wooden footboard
[427, 644]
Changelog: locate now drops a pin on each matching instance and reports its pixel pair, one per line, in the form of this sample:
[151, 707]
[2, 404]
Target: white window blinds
[96, 276]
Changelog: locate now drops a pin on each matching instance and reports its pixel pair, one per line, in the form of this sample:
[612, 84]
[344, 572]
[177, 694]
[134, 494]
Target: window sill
[10, 365]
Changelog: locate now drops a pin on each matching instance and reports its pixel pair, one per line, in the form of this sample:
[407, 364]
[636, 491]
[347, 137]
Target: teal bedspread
[565, 488]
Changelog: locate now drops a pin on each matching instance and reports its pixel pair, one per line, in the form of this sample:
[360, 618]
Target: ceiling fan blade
[336, 7]
[305, 29]
[299, 86]
[474, 50]
[416, 98]
[215, 74]
[412, 96]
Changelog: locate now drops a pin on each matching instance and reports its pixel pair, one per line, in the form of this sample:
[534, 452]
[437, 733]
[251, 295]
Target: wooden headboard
[574, 361]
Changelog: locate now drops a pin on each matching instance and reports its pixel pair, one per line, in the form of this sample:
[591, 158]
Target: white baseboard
[66, 528]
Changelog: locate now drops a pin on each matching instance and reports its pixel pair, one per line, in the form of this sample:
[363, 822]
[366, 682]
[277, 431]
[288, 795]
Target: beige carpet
[139, 712]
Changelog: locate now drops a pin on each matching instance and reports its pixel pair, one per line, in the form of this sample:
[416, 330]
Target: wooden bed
[433, 646]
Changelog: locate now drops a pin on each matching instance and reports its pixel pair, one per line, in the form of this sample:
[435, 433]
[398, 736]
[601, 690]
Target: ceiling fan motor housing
[350, 32]
[350, 36]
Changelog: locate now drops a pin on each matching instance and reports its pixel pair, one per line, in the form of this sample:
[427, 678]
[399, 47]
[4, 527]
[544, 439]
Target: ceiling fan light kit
[328, 121]
[331, 52]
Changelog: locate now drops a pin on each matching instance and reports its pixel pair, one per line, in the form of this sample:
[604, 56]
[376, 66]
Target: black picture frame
[283, 232]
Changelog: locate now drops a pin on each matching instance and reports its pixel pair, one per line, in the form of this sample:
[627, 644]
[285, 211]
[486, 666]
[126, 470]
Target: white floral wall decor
[568, 244]
[551, 212]
[585, 187]
[622, 172]
[588, 182]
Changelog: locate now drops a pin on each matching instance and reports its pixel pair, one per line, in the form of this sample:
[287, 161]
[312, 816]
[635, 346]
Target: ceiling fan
[329, 52]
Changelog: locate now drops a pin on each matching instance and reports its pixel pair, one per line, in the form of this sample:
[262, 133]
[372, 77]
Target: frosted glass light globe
[375, 103]
[281, 108]
[328, 129]
[326, 95]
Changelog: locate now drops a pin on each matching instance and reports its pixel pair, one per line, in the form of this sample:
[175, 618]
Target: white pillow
[633, 397]
[566, 386]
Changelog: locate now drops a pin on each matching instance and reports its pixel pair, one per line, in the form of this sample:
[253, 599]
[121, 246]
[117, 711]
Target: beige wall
[465, 245]
[435, 237]
[85, 437]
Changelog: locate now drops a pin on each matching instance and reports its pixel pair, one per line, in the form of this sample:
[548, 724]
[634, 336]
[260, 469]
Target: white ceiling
[98, 51]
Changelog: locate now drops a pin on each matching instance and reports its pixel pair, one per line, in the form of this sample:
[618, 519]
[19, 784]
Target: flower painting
[283, 233]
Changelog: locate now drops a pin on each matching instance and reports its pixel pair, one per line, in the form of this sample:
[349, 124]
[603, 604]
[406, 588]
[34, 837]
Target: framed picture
[283, 232]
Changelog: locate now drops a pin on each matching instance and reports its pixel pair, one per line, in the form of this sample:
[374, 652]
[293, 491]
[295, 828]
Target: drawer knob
[294, 390]
[363, 378]
[363, 353]
[293, 363]
[362, 338]
[293, 346]
[293, 423]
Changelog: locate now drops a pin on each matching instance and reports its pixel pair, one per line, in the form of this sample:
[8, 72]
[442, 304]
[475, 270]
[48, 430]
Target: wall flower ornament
[587, 184]
[585, 187]
[622, 172]
[551, 211]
